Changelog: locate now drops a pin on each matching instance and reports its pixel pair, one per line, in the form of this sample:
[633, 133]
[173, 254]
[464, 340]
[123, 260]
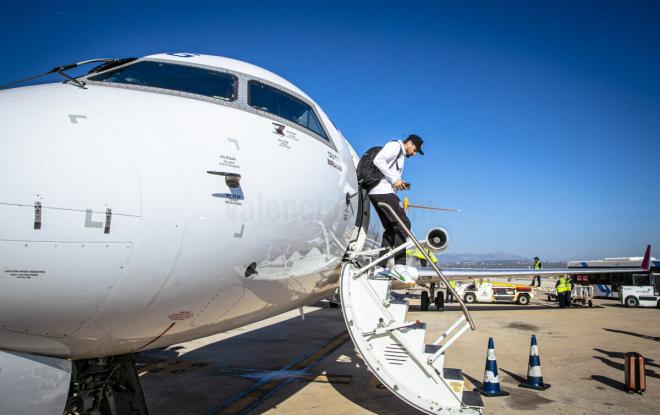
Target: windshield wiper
[107, 64]
[112, 64]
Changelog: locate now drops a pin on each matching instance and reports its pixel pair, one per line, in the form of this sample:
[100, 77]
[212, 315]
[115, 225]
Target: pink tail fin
[647, 259]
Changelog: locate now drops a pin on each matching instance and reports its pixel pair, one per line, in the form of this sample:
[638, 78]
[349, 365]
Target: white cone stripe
[534, 371]
[491, 354]
[490, 377]
[534, 351]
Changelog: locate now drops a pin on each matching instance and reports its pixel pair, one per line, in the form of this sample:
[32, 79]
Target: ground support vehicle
[490, 292]
[582, 294]
[645, 296]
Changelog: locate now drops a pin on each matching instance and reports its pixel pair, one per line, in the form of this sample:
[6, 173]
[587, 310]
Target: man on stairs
[389, 161]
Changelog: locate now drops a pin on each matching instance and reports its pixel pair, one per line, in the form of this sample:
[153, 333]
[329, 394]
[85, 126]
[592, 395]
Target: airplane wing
[427, 274]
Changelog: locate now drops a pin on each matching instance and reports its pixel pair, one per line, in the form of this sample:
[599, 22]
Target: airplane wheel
[470, 298]
[590, 303]
[425, 301]
[523, 299]
[631, 301]
[333, 305]
[440, 301]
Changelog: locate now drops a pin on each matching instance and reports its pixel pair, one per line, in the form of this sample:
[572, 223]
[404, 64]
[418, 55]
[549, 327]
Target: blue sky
[541, 119]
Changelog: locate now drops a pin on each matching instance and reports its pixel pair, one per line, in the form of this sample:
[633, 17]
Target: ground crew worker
[415, 252]
[537, 265]
[562, 286]
[569, 288]
[450, 296]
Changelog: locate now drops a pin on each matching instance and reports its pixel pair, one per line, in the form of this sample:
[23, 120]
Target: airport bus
[607, 285]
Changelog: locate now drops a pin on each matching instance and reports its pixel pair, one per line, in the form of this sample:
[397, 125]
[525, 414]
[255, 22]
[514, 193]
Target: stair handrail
[466, 313]
[449, 330]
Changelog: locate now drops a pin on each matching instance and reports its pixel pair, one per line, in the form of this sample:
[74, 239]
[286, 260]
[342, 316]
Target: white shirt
[386, 157]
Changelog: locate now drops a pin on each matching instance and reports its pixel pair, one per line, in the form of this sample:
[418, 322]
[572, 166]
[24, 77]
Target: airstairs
[393, 348]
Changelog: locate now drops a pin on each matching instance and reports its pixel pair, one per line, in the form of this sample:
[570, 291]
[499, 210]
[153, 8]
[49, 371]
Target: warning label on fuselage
[24, 274]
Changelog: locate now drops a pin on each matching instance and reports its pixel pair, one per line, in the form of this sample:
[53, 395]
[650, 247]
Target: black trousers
[393, 234]
[561, 299]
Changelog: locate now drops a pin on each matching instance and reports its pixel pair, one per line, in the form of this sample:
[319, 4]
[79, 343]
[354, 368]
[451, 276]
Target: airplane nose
[69, 210]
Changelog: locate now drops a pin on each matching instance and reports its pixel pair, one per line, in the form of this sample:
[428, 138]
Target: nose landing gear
[430, 296]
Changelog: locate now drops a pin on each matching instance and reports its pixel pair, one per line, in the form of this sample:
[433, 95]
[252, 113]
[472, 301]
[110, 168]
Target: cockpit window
[275, 101]
[190, 79]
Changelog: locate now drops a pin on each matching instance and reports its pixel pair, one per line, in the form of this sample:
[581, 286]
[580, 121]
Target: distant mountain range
[493, 260]
[495, 256]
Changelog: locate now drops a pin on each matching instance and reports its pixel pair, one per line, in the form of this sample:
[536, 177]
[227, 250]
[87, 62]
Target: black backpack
[368, 174]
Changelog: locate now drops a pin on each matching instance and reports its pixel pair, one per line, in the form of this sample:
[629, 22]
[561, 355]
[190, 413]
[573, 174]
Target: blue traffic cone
[491, 385]
[534, 375]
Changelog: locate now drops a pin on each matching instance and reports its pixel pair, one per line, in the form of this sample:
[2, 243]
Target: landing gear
[425, 301]
[430, 296]
[334, 301]
[107, 385]
[440, 301]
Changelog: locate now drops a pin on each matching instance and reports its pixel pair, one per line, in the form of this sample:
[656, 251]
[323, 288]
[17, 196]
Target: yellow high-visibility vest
[452, 283]
[563, 286]
[537, 265]
[418, 254]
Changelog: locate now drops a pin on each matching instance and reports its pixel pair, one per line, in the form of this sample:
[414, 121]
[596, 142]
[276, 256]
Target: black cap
[536, 258]
[417, 141]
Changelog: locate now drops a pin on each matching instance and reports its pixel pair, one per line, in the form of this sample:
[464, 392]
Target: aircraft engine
[437, 239]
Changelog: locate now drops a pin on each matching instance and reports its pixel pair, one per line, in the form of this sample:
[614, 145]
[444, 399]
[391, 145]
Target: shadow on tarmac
[519, 399]
[489, 307]
[517, 378]
[630, 333]
[477, 384]
[620, 366]
[609, 382]
[619, 355]
[256, 371]
[503, 306]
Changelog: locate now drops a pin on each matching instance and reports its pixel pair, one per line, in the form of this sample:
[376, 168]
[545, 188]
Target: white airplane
[163, 199]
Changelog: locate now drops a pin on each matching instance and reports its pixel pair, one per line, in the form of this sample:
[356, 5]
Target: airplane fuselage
[125, 225]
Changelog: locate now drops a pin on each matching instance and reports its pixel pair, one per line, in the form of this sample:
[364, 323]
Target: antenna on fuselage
[407, 205]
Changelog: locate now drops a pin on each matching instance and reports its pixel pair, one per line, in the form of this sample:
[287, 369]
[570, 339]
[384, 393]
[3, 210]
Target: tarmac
[287, 365]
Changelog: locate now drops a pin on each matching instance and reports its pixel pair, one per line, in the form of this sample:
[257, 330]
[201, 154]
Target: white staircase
[394, 349]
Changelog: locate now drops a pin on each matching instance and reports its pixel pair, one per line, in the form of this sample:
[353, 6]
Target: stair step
[473, 399]
[398, 309]
[381, 286]
[431, 348]
[452, 374]
[396, 356]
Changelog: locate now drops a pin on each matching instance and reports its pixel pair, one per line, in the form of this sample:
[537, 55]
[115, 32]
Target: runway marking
[173, 367]
[249, 399]
[269, 375]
